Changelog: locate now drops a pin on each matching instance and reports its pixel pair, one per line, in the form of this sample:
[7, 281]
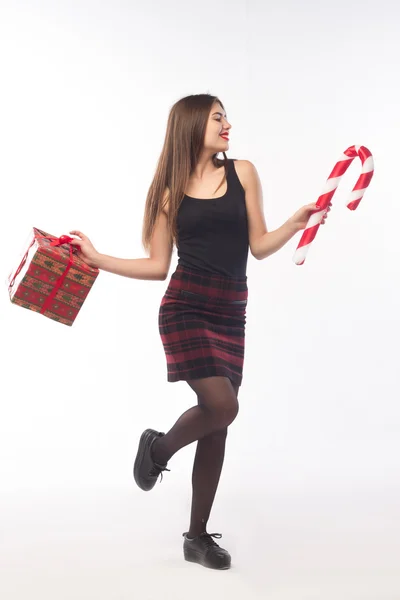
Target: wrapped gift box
[51, 279]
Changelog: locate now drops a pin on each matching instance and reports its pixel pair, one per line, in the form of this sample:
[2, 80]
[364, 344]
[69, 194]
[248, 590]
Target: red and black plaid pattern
[202, 325]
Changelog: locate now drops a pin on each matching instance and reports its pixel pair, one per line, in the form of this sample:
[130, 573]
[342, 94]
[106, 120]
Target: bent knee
[232, 411]
[226, 411]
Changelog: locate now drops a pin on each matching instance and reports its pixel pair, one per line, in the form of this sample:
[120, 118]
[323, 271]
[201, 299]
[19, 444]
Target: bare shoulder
[246, 172]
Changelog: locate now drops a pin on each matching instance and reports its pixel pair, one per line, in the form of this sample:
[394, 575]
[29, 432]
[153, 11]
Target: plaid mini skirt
[202, 321]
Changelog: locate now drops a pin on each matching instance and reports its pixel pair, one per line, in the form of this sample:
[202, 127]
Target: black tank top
[213, 234]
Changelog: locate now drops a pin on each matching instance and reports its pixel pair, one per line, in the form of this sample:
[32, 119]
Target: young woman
[211, 209]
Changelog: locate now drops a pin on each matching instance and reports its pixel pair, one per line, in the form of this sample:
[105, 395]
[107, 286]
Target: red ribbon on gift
[63, 239]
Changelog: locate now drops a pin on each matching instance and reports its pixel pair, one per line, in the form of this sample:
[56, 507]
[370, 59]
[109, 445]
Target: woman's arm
[155, 267]
[262, 242]
[273, 241]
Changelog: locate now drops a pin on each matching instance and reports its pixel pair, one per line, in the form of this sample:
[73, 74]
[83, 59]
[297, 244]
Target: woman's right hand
[87, 252]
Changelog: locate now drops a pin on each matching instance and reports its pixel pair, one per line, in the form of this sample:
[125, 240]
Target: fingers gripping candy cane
[330, 187]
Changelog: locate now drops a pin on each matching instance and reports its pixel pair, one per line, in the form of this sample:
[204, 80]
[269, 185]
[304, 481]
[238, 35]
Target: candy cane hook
[330, 187]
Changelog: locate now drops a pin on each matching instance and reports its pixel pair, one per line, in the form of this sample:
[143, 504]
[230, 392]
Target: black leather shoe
[145, 470]
[203, 550]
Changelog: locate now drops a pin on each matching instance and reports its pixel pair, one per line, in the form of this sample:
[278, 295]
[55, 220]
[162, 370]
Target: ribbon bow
[63, 239]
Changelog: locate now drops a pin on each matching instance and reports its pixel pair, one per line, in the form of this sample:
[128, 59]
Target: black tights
[208, 424]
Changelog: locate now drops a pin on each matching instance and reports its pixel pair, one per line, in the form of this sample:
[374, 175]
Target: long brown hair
[184, 139]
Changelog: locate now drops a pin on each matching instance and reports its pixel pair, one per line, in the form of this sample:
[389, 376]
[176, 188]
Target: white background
[308, 502]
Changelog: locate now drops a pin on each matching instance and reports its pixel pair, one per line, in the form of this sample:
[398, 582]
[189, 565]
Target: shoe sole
[142, 448]
[196, 557]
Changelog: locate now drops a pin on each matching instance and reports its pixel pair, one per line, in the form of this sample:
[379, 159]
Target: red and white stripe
[330, 187]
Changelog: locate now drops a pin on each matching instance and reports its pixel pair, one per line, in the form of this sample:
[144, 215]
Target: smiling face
[217, 125]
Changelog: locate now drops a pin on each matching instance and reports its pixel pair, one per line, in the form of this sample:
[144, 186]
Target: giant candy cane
[330, 187]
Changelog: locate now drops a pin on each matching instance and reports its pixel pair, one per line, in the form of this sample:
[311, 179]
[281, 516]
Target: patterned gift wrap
[52, 279]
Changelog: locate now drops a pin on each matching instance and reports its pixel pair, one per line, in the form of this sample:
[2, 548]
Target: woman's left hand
[300, 218]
